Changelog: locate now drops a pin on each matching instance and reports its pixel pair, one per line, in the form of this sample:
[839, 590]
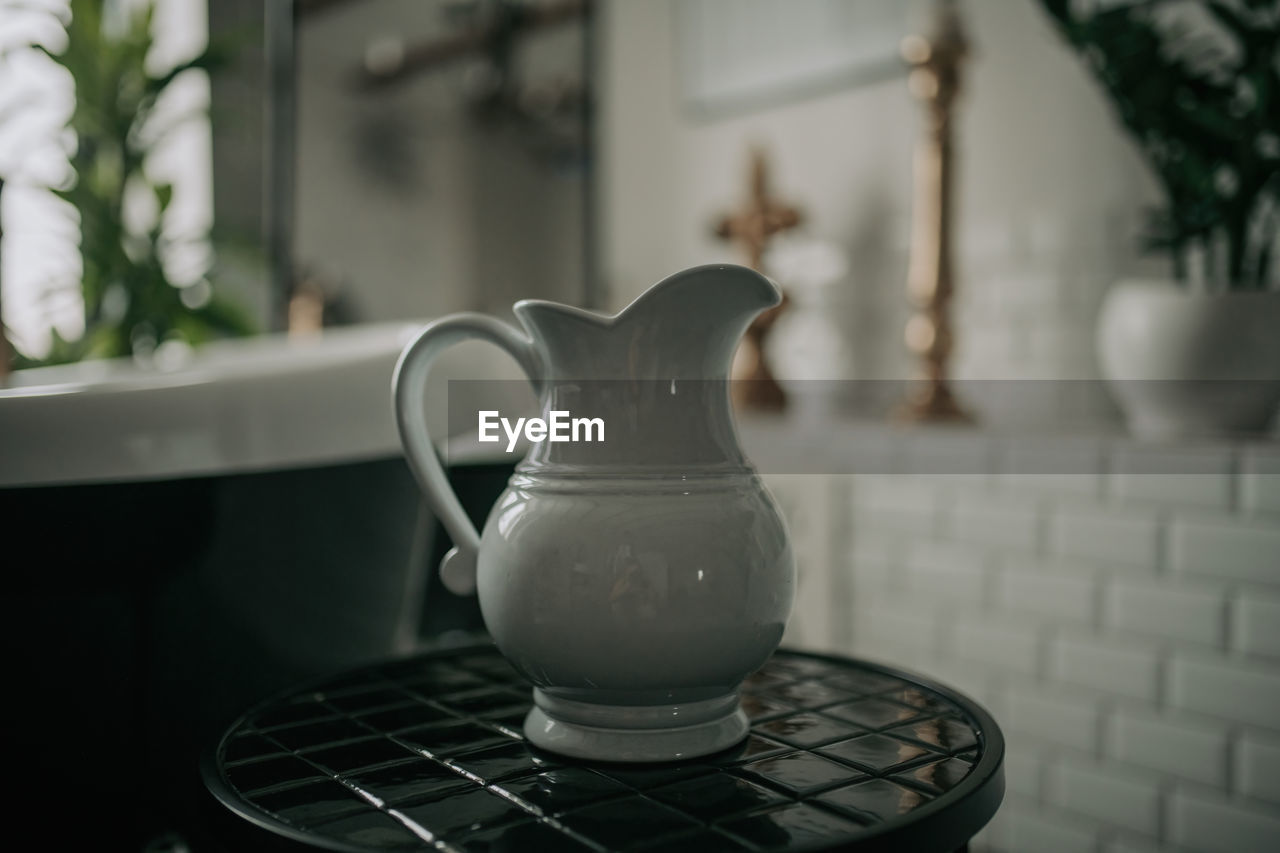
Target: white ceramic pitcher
[635, 581]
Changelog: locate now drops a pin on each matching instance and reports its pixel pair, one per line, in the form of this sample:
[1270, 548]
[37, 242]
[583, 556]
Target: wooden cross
[752, 228]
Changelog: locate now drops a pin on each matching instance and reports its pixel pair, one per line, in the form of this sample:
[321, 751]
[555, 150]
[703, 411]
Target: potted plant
[131, 302]
[1197, 85]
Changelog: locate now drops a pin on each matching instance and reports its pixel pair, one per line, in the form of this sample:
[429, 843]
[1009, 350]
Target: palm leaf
[115, 99]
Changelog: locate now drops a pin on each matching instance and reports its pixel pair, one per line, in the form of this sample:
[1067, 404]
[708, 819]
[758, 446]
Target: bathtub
[183, 542]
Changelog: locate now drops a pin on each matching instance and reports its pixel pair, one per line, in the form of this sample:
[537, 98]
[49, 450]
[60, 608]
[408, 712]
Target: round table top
[428, 753]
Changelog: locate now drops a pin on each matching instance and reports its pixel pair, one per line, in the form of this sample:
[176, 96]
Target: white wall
[1114, 605]
[405, 199]
[1050, 189]
[1120, 623]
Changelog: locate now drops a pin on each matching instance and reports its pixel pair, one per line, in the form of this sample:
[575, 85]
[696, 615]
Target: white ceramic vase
[1182, 363]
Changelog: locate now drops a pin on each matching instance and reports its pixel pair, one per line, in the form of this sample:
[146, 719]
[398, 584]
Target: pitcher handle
[409, 386]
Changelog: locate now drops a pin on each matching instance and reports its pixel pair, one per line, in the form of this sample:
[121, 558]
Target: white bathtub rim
[261, 404]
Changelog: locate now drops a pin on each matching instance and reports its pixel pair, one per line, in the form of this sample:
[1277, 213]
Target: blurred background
[223, 220]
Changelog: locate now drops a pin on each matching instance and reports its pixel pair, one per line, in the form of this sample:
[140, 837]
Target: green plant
[130, 302]
[1197, 85]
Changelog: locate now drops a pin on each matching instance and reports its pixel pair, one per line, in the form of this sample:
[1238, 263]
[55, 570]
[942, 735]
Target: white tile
[1246, 693]
[895, 502]
[1025, 406]
[1063, 347]
[1190, 749]
[1060, 834]
[1260, 493]
[1129, 844]
[1186, 612]
[894, 630]
[1023, 770]
[1002, 646]
[1051, 482]
[1116, 797]
[1187, 476]
[874, 579]
[962, 456]
[1257, 766]
[805, 500]
[1066, 464]
[1005, 521]
[1224, 547]
[897, 614]
[1255, 624]
[940, 556]
[1117, 666]
[866, 520]
[908, 652]
[1113, 535]
[1054, 716]
[1213, 824]
[977, 681]
[866, 447]
[1210, 491]
[994, 837]
[1260, 481]
[897, 492]
[1062, 593]
[871, 548]
[947, 572]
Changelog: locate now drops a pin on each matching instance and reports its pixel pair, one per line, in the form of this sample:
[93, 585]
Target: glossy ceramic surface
[257, 404]
[1185, 363]
[429, 753]
[634, 581]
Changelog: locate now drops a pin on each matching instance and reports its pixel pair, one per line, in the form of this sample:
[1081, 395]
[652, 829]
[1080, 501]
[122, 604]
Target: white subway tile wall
[1129, 844]
[1159, 607]
[1109, 664]
[807, 502]
[1032, 830]
[1205, 820]
[1256, 624]
[1121, 624]
[1257, 766]
[1219, 546]
[1052, 716]
[1112, 534]
[1218, 685]
[1203, 479]
[1069, 591]
[1101, 791]
[1260, 481]
[1189, 748]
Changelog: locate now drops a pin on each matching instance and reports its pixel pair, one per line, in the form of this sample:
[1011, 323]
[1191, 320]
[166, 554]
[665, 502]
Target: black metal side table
[427, 754]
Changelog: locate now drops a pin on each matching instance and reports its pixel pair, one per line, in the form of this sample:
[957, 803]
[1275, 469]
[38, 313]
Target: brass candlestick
[935, 80]
[755, 386]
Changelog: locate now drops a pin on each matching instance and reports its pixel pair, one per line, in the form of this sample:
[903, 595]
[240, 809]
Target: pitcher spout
[727, 294]
[686, 326]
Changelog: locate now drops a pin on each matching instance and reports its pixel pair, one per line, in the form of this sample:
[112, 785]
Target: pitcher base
[634, 733]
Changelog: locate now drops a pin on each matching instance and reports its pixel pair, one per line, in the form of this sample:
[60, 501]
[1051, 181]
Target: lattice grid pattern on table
[428, 753]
